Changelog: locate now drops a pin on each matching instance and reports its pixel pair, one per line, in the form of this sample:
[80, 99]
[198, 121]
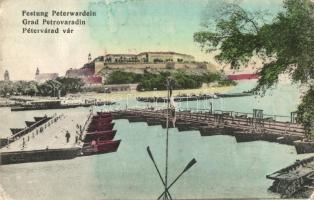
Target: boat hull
[100, 122]
[103, 114]
[38, 155]
[100, 135]
[106, 127]
[101, 148]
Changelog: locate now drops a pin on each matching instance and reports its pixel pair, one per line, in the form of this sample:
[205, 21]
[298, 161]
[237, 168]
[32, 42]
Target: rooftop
[150, 52]
[46, 76]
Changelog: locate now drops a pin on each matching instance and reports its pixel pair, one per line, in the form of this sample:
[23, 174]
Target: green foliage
[150, 81]
[49, 88]
[286, 45]
[226, 82]
[69, 85]
[306, 112]
[120, 77]
[7, 88]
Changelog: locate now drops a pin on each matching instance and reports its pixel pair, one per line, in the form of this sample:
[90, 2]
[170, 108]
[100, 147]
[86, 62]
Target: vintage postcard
[156, 99]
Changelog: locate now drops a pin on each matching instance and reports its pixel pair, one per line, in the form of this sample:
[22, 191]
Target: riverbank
[5, 102]
[116, 96]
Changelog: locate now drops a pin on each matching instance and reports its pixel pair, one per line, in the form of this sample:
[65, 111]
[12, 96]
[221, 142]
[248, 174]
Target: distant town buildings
[120, 87]
[86, 73]
[43, 77]
[6, 75]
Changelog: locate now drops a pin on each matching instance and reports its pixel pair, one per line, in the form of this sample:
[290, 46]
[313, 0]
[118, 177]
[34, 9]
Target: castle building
[131, 62]
[43, 77]
[86, 73]
[146, 57]
[155, 57]
[6, 75]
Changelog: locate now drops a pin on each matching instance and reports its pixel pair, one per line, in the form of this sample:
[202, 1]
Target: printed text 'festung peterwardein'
[54, 21]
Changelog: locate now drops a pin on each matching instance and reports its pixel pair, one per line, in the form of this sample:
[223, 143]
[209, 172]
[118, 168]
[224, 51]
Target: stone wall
[140, 67]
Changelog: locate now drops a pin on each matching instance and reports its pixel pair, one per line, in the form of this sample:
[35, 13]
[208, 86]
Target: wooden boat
[15, 157]
[100, 135]
[16, 130]
[100, 148]
[226, 95]
[30, 123]
[54, 104]
[96, 117]
[102, 120]
[106, 127]
[39, 118]
[103, 114]
[97, 124]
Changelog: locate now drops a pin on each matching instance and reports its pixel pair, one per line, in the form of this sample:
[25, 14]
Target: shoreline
[162, 93]
[116, 96]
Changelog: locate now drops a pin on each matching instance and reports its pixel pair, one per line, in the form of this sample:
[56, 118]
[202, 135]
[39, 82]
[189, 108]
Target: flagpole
[153, 160]
[167, 139]
[166, 195]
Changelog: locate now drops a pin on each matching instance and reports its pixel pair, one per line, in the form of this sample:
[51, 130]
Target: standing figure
[94, 145]
[67, 135]
[23, 144]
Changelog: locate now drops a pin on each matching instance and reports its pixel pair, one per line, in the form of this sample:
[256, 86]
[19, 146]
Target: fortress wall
[141, 66]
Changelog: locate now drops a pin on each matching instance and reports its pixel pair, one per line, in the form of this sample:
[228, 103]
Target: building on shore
[6, 76]
[238, 77]
[86, 74]
[120, 87]
[43, 77]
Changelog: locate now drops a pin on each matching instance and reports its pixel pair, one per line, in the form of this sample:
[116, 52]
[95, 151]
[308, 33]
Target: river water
[224, 168]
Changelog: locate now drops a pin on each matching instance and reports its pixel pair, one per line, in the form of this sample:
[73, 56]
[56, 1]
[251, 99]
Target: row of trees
[284, 44]
[150, 81]
[49, 88]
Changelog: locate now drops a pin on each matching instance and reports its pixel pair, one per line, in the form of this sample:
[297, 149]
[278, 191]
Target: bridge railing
[227, 120]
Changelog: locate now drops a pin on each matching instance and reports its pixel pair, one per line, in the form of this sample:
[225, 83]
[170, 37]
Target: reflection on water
[224, 168]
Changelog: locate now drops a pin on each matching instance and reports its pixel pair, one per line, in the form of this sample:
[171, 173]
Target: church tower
[37, 71]
[89, 58]
[6, 75]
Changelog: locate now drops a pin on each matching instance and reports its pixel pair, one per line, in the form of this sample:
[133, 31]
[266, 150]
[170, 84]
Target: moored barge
[57, 104]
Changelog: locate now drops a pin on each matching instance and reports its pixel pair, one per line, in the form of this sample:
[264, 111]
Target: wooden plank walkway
[246, 124]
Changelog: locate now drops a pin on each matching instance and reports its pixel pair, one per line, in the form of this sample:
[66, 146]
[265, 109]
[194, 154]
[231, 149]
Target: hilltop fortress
[153, 62]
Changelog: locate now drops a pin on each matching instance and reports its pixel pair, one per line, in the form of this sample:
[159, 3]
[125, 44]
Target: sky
[120, 26]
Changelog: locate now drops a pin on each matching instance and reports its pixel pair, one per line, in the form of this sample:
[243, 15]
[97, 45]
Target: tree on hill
[69, 85]
[285, 45]
[7, 88]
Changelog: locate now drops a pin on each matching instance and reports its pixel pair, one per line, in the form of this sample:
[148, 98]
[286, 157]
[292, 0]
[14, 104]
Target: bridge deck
[52, 135]
[236, 122]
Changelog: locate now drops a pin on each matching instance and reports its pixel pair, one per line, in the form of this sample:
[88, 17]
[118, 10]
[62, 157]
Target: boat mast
[165, 194]
[167, 138]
